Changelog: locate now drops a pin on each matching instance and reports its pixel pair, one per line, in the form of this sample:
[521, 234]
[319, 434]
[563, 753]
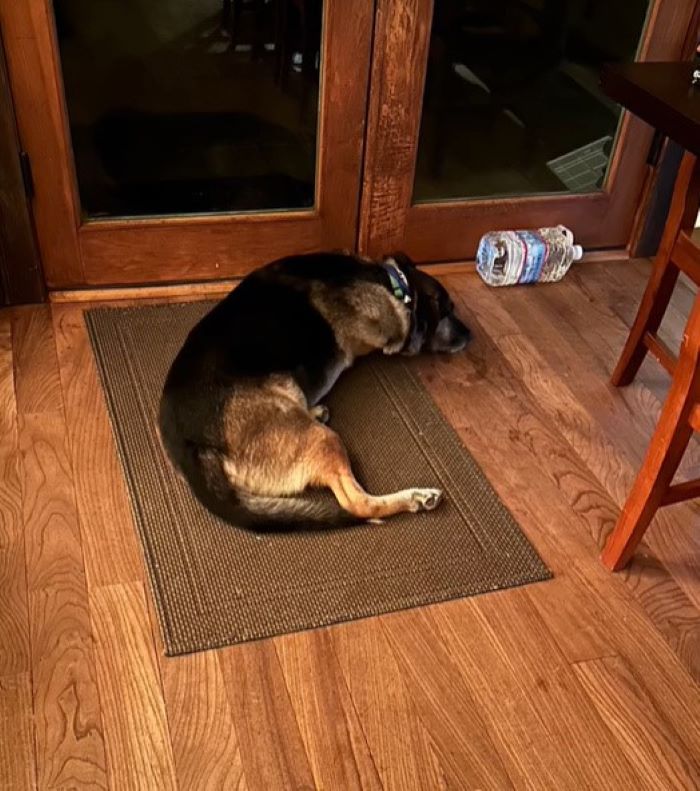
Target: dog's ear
[402, 261]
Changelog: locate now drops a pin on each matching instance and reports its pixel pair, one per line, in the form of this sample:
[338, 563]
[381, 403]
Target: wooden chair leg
[682, 214]
[650, 314]
[665, 452]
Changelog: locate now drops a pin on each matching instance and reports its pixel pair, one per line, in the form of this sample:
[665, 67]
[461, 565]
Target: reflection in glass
[512, 104]
[191, 106]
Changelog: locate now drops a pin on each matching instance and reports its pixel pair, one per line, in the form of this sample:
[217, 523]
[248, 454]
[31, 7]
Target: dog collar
[399, 283]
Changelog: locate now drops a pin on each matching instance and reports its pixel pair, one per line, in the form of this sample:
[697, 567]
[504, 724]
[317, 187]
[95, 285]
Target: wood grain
[200, 249]
[14, 620]
[403, 751]
[112, 553]
[345, 74]
[401, 36]
[530, 754]
[68, 725]
[204, 739]
[642, 733]
[631, 635]
[136, 729]
[669, 607]
[447, 703]
[519, 635]
[272, 751]
[330, 729]
[17, 770]
[524, 707]
[37, 381]
[17, 765]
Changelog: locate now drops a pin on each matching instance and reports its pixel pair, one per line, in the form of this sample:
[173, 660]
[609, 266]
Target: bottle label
[535, 255]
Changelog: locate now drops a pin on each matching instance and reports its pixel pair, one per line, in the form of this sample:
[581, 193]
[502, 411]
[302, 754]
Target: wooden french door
[176, 141]
[184, 140]
[499, 121]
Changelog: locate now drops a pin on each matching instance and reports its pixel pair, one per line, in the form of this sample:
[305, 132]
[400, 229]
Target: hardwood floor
[588, 681]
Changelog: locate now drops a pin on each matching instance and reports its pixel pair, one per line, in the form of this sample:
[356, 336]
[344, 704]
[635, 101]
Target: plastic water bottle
[508, 257]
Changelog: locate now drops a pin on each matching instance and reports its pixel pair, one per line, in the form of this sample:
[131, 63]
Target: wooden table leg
[665, 451]
[682, 215]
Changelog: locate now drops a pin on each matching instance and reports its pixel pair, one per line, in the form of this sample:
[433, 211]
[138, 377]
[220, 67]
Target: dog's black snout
[451, 335]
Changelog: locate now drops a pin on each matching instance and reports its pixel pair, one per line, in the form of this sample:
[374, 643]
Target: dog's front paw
[426, 499]
[321, 413]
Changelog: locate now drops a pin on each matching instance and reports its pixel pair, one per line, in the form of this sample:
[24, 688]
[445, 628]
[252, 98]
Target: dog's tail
[204, 470]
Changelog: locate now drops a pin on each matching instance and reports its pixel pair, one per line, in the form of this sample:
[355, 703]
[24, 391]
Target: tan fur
[365, 317]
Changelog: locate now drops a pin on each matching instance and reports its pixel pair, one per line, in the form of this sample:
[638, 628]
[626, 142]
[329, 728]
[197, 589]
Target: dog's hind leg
[331, 468]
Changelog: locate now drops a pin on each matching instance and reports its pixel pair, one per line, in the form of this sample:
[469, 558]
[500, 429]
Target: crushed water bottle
[508, 257]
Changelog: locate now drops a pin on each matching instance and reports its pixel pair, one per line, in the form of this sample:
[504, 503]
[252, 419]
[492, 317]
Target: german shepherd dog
[240, 416]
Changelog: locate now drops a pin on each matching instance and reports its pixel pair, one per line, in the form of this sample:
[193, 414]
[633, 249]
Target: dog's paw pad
[426, 499]
[321, 413]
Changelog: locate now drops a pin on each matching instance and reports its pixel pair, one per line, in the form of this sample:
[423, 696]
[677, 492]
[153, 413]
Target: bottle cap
[578, 252]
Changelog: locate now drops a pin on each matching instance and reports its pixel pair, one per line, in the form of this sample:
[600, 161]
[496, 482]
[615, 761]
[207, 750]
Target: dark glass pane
[191, 106]
[512, 103]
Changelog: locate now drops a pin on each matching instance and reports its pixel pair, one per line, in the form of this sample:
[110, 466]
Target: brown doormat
[215, 584]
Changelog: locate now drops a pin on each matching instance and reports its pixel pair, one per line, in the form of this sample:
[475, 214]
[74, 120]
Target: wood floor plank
[110, 543]
[536, 669]
[483, 738]
[601, 607]
[668, 606]
[135, 725]
[200, 721]
[640, 728]
[402, 750]
[17, 768]
[204, 739]
[37, 382]
[330, 729]
[17, 762]
[14, 619]
[271, 747]
[68, 724]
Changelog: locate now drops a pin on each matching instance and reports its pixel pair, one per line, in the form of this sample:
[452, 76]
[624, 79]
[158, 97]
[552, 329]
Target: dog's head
[434, 326]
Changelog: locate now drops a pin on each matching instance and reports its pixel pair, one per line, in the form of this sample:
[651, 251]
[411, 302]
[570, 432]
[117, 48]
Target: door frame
[21, 280]
[450, 230]
[78, 252]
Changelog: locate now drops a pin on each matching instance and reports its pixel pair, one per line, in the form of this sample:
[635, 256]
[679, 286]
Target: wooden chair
[680, 415]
